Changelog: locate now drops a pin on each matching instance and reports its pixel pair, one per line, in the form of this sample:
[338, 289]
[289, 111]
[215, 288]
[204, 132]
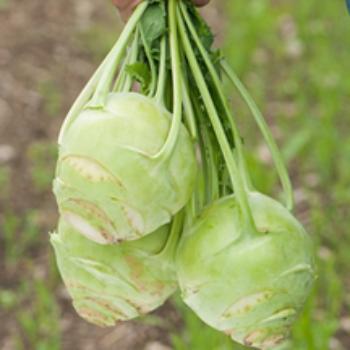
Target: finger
[201, 2]
[126, 7]
[124, 4]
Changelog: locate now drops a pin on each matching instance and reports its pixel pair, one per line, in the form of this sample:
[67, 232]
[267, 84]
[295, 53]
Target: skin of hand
[126, 6]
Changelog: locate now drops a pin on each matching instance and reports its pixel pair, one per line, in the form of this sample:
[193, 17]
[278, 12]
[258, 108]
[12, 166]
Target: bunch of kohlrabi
[153, 191]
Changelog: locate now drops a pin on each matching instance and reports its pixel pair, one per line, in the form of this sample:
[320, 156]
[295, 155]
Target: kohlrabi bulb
[115, 282]
[109, 185]
[252, 287]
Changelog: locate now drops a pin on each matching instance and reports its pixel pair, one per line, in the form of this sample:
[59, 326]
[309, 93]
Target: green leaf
[140, 72]
[204, 32]
[153, 22]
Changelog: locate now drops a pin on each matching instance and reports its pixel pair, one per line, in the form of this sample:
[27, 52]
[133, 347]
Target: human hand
[126, 6]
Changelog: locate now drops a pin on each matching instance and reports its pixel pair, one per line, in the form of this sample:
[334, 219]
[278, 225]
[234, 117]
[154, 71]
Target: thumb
[201, 2]
[126, 7]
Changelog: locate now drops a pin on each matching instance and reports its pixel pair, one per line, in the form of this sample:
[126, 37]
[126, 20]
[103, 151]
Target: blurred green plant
[39, 320]
[7, 299]
[97, 40]
[5, 183]
[4, 4]
[42, 156]
[52, 97]
[19, 235]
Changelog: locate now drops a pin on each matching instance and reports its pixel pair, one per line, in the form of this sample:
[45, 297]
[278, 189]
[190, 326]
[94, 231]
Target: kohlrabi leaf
[153, 22]
[140, 72]
[203, 29]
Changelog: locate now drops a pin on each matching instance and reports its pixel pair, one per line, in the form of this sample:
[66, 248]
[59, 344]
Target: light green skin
[115, 283]
[251, 288]
[108, 184]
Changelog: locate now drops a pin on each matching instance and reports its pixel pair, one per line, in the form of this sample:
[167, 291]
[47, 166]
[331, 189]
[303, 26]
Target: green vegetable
[116, 283]
[108, 185]
[250, 286]
[126, 164]
[151, 143]
[246, 265]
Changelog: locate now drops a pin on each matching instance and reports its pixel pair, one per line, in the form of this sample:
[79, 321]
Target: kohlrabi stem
[218, 86]
[120, 81]
[82, 99]
[208, 154]
[121, 78]
[134, 52]
[244, 170]
[171, 140]
[235, 174]
[212, 166]
[225, 178]
[190, 213]
[276, 154]
[176, 228]
[199, 195]
[203, 194]
[151, 63]
[103, 87]
[162, 72]
[188, 110]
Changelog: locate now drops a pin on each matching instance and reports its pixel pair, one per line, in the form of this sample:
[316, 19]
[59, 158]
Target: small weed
[4, 4]
[5, 183]
[98, 40]
[52, 97]
[42, 157]
[20, 235]
[8, 299]
[39, 320]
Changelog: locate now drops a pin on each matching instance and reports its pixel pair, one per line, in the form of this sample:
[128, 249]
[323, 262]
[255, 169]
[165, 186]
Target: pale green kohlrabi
[108, 185]
[246, 265]
[116, 282]
[250, 286]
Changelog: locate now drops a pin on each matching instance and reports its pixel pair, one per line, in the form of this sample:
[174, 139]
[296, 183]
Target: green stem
[120, 81]
[168, 92]
[176, 227]
[191, 211]
[150, 62]
[244, 170]
[82, 99]
[208, 153]
[121, 78]
[205, 184]
[218, 86]
[171, 140]
[126, 84]
[235, 175]
[276, 154]
[162, 72]
[103, 87]
[212, 166]
[225, 180]
[188, 109]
